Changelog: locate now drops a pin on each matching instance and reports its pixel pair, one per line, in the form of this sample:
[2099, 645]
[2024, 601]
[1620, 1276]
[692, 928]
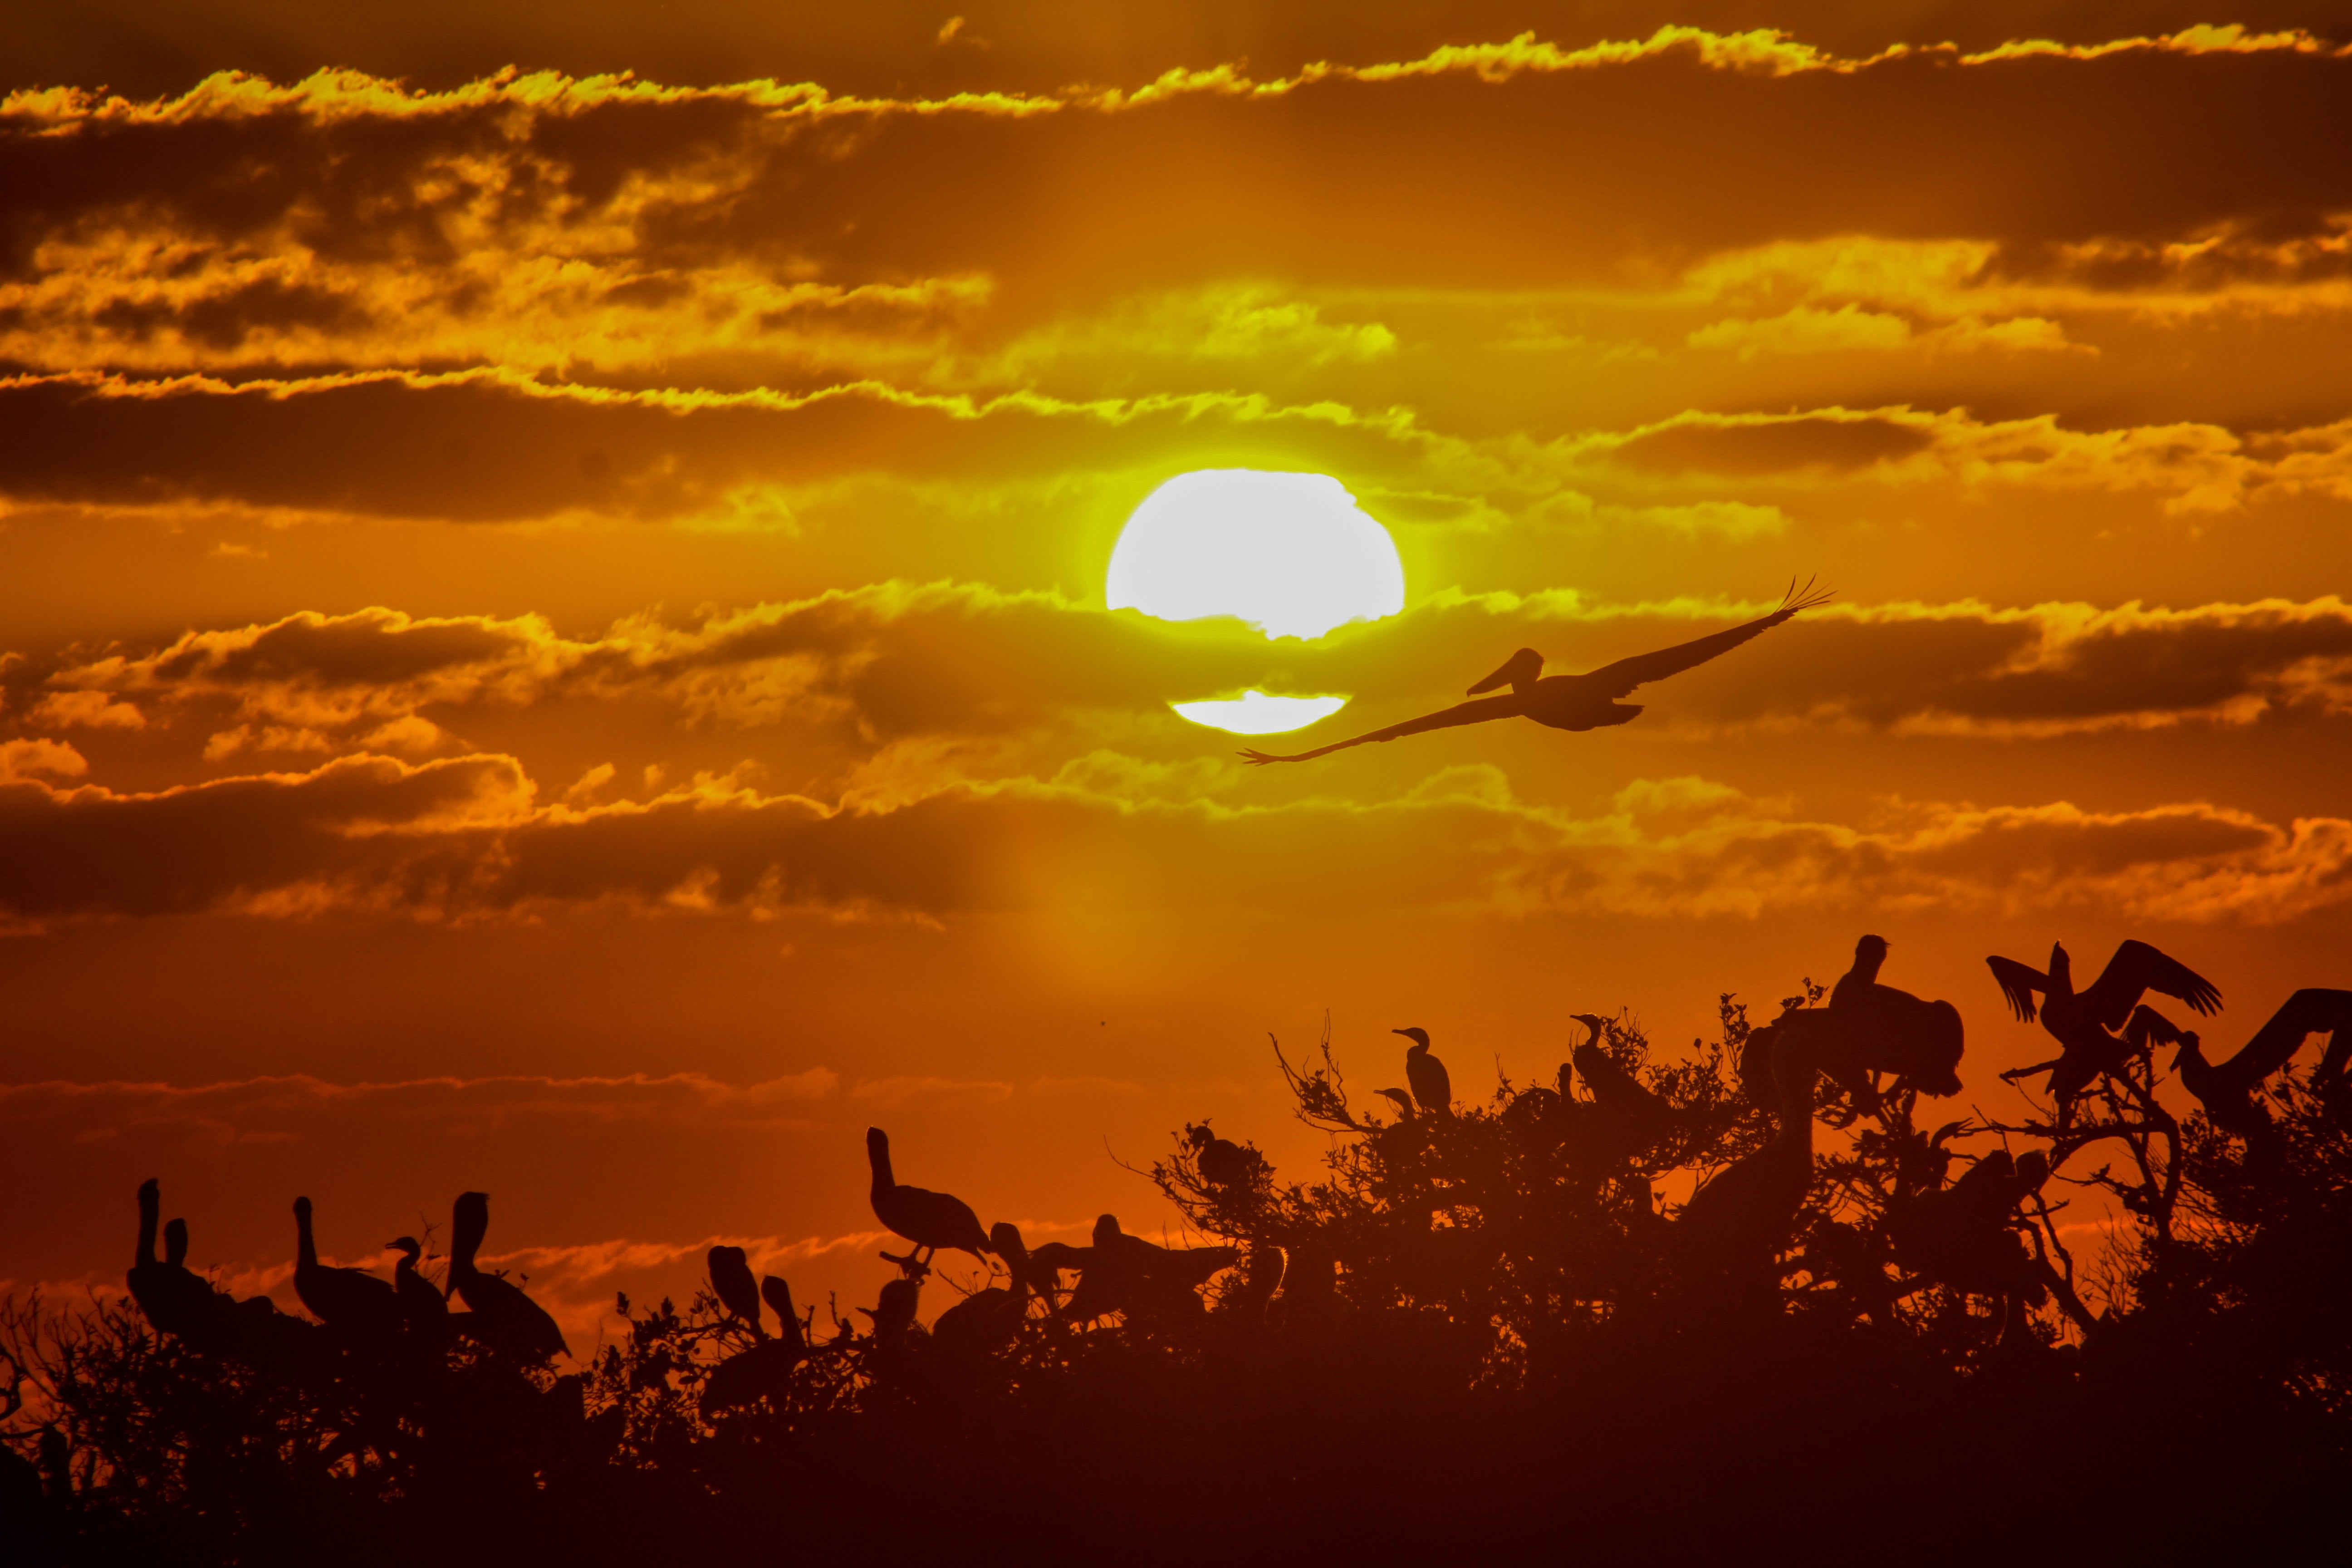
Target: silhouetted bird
[500, 1315]
[1569, 702]
[930, 1220]
[420, 1302]
[1401, 1100]
[1432, 1091]
[2084, 1022]
[1631, 1120]
[765, 1371]
[731, 1282]
[984, 1322]
[894, 1309]
[1743, 1214]
[1878, 1028]
[175, 1300]
[1962, 1236]
[347, 1299]
[2227, 1088]
[1031, 1273]
[1222, 1164]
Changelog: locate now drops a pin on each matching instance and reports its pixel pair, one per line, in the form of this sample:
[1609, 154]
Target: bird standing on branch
[340, 1298]
[1432, 1091]
[2084, 1022]
[502, 1316]
[1569, 702]
[930, 1220]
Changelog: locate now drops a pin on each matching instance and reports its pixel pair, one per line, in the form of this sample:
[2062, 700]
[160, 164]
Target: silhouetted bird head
[407, 1244]
[1004, 1238]
[1404, 1103]
[1524, 665]
[1418, 1037]
[302, 1209]
[1107, 1229]
[2061, 966]
[2191, 1050]
[1594, 1022]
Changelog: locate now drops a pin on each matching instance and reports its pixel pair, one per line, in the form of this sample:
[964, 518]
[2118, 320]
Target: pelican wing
[2149, 1026]
[2311, 1011]
[2019, 982]
[2137, 968]
[1619, 678]
[1477, 712]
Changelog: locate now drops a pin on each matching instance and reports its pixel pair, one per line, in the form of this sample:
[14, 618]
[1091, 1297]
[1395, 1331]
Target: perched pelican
[1030, 1270]
[1867, 1028]
[2227, 1088]
[1222, 1164]
[340, 1298]
[1431, 1089]
[894, 1309]
[1745, 1212]
[1964, 1235]
[146, 1277]
[731, 1282]
[2084, 1022]
[500, 1315]
[984, 1322]
[765, 1370]
[420, 1303]
[930, 1220]
[1570, 702]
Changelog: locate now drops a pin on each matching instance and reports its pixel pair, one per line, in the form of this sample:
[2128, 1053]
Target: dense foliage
[1480, 1323]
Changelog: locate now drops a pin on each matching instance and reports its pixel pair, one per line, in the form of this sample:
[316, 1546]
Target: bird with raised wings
[2084, 1022]
[2226, 1088]
[1588, 702]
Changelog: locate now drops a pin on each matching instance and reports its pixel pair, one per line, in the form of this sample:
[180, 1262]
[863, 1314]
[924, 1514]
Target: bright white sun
[1292, 554]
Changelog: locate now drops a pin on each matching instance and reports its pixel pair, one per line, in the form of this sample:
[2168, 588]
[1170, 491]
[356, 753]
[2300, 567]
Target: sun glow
[1291, 555]
[1255, 713]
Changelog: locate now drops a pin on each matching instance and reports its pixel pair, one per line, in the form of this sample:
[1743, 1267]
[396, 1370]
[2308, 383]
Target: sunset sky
[552, 613]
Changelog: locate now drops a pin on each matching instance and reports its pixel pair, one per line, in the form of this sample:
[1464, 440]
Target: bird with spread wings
[1570, 702]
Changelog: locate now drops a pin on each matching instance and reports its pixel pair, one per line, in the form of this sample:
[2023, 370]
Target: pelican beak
[1524, 665]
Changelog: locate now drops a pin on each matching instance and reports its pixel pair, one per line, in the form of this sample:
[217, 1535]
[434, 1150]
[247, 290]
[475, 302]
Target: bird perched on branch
[1432, 1091]
[2084, 1022]
[500, 1315]
[1570, 702]
[349, 1298]
[421, 1304]
[731, 1282]
[1743, 1213]
[1630, 1119]
[930, 1220]
[2226, 1088]
[1965, 1235]
[765, 1370]
[1223, 1164]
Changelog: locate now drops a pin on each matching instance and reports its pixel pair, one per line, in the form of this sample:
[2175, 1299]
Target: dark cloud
[1772, 447]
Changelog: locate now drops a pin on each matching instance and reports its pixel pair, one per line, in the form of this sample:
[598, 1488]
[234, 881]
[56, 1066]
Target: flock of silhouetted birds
[1963, 1234]
[1441, 1231]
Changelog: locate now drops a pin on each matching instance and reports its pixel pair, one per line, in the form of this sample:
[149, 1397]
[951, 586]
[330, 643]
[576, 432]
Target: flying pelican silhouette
[1570, 702]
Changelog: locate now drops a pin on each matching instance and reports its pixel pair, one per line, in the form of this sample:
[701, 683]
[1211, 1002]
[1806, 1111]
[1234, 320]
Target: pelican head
[1520, 669]
[2191, 1050]
[1869, 951]
[2061, 966]
[1418, 1037]
[1591, 1022]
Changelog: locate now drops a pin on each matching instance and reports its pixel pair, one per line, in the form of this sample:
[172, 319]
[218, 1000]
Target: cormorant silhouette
[350, 1299]
[1569, 702]
[765, 1371]
[420, 1302]
[2227, 1088]
[930, 1220]
[1222, 1164]
[2084, 1022]
[1401, 1101]
[1630, 1118]
[1432, 1091]
[731, 1282]
[500, 1315]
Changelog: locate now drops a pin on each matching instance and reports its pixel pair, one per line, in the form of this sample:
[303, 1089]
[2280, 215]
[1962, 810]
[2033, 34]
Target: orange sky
[552, 629]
